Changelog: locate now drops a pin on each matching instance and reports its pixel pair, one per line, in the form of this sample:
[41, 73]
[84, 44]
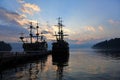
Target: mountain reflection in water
[81, 64]
[109, 54]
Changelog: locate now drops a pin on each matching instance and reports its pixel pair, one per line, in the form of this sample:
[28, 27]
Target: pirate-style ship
[38, 45]
[60, 45]
[60, 51]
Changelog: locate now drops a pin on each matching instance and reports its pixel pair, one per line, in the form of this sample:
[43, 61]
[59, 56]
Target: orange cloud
[13, 18]
[87, 34]
[29, 8]
[100, 28]
[23, 22]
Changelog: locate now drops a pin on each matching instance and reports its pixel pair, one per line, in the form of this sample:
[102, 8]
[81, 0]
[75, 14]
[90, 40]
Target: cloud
[49, 31]
[86, 39]
[114, 22]
[10, 25]
[21, 1]
[88, 33]
[94, 29]
[12, 18]
[30, 8]
[11, 22]
[7, 16]
[10, 33]
[45, 32]
[90, 28]
[100, 28]
[80, 40]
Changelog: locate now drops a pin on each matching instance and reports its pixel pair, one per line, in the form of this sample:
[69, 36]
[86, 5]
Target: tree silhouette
[108, 44]
[5, 46]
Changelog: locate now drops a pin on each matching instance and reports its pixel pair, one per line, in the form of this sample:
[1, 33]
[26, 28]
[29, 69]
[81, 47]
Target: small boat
[60, 45]
[38, 45]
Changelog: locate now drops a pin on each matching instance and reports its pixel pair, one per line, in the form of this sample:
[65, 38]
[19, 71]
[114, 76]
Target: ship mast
[59, 28]
[21, 37]
[37, 34]
[60, 31]
[31, 35]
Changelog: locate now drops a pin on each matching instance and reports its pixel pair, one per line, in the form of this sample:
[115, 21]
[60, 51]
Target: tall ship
[60, 45]
[36, 43]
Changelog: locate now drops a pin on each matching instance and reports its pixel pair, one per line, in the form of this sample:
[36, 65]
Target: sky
[86, 21]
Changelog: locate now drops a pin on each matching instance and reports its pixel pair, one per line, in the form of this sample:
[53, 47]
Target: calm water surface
[83, 64]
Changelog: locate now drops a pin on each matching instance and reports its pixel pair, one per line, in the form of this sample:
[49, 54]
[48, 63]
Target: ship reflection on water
[27, 71]
[78, 65]
[38, 69]
[109, 54]
[60, 61]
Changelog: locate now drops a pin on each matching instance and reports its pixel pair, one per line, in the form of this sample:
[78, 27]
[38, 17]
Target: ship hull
[38, 47]
[60, 53]
[60, 48]
[60, 59]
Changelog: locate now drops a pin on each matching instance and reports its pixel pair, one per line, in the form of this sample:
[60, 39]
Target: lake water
[83, 64]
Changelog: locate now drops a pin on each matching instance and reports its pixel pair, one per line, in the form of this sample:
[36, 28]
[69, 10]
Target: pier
[12, 59]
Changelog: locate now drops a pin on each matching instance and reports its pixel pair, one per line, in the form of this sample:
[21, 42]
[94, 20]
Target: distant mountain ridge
[16, 47]
[108, 44]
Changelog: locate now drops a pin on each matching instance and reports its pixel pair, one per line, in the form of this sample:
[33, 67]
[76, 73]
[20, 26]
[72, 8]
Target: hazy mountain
[16, 47]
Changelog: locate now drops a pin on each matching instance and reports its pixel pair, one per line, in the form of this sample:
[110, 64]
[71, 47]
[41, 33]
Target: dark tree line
[108, 44]
[5, 46]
